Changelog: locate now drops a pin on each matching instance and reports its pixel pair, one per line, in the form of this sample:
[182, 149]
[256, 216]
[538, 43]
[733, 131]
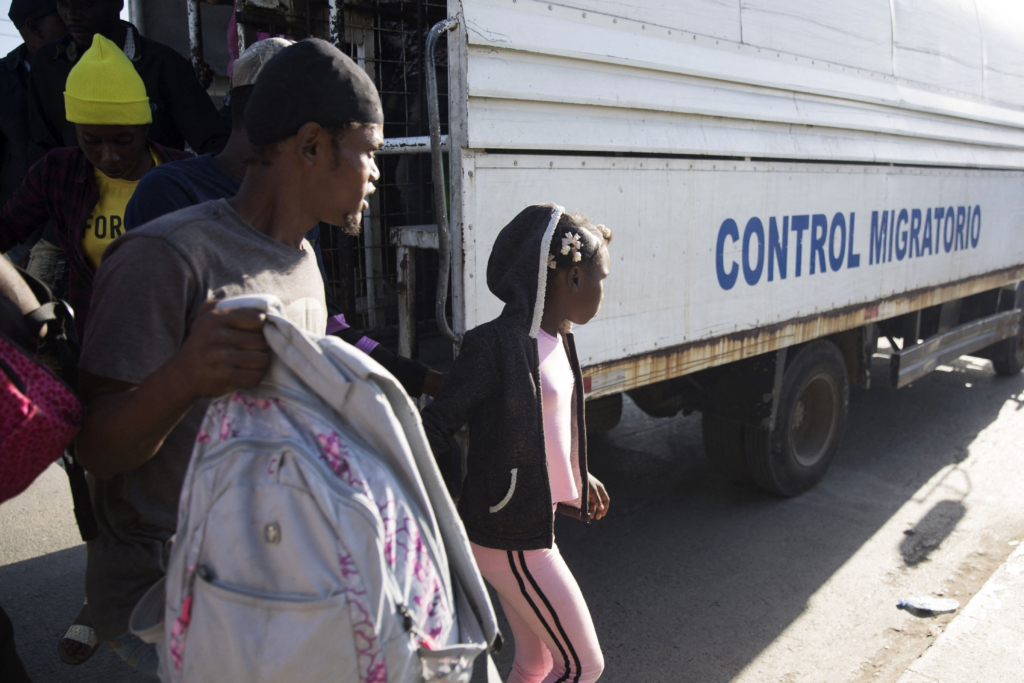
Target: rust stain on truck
[625, 374]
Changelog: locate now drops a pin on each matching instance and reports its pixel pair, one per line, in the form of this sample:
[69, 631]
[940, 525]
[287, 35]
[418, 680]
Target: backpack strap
[64, 348]
[35, 320]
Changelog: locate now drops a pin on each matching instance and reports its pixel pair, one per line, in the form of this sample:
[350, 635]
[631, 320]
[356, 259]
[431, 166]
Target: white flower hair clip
[571, 242]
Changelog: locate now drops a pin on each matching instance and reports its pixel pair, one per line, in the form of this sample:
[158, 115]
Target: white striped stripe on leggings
[554, 635]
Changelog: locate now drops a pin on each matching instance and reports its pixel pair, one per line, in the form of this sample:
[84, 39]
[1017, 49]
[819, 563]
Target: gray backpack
[316, 540]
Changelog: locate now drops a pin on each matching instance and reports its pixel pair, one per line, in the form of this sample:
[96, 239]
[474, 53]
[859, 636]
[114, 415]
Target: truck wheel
[1008, 355]
[603, 414]
[723, 444]
[809, 423]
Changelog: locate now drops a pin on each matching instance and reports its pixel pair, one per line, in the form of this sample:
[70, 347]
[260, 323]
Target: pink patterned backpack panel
[39, 416]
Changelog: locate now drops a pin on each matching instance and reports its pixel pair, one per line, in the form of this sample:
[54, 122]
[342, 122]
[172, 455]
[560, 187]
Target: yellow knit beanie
[104, 88]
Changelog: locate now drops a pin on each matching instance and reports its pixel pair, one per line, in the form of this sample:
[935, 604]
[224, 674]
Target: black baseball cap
[310, 81]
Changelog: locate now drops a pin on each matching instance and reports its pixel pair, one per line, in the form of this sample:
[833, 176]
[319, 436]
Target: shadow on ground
[42, 596]
[691, 577]
[928, 534]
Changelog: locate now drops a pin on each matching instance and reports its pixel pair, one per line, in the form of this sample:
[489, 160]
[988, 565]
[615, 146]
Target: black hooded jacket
[494, 386]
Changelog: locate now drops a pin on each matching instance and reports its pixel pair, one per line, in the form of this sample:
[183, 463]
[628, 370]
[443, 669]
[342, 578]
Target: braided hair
[577, 241]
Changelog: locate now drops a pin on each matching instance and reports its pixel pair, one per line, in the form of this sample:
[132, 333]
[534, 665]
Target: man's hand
[127, 424]
[598, 498]
[432, 382]
[224, 351]
[205, 75]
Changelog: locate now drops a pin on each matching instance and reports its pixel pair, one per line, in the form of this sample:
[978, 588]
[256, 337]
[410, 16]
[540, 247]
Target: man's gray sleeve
[143, 301]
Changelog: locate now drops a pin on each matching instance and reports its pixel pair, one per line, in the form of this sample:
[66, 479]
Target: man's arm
[192, 109]
[416, 378]
[44, 133]
[127, 424]
[16, 301]
[14, 288]
[152, 348]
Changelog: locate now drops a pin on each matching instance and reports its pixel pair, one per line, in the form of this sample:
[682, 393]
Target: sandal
[78, 633]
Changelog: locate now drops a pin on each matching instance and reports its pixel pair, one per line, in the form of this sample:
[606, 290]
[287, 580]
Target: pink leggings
[551, 625]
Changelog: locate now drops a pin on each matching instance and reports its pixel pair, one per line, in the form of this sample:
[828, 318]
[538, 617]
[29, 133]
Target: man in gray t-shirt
[155, 351]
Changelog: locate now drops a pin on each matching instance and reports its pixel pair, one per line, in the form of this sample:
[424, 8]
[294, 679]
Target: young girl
[517, 382]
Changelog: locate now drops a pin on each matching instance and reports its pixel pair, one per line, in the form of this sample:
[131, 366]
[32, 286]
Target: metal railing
[440, 195]
[374, 276]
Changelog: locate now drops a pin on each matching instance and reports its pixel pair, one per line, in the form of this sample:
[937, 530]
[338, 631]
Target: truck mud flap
[914, 362]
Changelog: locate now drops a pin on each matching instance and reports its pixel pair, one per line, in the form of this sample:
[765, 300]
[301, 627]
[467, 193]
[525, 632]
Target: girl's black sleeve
[472, 379]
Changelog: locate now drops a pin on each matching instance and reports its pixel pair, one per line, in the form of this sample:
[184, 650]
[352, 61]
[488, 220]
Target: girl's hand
[598, 497]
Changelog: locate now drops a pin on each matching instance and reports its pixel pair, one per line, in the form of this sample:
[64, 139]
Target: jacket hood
[517, 271]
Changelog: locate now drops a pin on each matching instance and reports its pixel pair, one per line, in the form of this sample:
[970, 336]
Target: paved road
[691, 578]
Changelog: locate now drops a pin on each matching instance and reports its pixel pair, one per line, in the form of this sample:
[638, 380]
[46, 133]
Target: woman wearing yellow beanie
[84, 190]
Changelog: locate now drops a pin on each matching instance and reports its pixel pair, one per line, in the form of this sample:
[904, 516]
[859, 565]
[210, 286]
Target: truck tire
[723, 444]
[1008, 355]
[810, 420]
[603, 414]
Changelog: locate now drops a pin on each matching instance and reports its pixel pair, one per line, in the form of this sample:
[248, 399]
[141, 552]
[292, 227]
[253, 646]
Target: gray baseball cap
[250, 63]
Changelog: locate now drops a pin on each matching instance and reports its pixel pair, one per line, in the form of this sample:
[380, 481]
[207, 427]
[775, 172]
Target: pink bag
[39, 416]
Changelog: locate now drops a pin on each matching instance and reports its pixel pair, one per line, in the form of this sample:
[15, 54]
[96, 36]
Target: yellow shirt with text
[106, 223]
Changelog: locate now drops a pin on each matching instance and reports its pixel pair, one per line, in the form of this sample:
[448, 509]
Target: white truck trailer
[787, 180]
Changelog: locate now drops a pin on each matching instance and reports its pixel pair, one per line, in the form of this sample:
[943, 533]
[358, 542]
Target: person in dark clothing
[38, 23]
[203, 178]
[518, 384]
[11, 668]
[82, 191]
[70, 184]
[182, 111]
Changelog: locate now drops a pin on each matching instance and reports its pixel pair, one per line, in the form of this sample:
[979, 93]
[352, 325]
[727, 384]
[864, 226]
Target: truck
[788, 182]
